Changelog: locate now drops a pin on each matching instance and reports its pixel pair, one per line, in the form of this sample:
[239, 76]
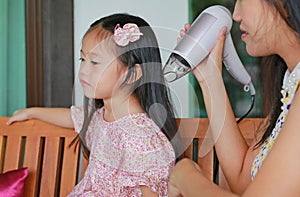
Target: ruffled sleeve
[77, 116]
[156, 179]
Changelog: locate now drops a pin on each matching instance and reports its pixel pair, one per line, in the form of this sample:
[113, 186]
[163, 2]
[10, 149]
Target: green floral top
[290, 85]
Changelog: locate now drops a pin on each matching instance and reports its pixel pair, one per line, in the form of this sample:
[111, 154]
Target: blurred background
[40, 42]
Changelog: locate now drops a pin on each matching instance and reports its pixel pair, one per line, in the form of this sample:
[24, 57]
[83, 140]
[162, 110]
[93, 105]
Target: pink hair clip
[129, 33]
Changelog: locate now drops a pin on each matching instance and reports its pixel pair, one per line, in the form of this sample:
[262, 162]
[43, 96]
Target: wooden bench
[54, 168]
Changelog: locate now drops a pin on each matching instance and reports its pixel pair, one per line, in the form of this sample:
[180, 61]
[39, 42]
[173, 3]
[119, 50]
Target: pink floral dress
[124, 155]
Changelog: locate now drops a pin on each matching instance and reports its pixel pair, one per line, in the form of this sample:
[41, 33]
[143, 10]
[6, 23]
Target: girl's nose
[84, 69]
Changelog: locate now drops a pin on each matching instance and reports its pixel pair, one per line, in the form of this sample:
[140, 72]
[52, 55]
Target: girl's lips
[84, 83]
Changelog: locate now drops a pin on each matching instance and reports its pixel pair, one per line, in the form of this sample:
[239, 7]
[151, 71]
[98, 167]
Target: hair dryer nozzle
[175, 67]
[198, 42]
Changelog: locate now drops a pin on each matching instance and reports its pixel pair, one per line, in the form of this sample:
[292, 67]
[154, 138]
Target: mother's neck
[288, 48]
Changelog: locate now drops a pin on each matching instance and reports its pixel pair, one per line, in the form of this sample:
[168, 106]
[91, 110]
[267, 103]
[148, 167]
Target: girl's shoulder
[135, 141]
[137, 133]
[77, 115]
[140, 125]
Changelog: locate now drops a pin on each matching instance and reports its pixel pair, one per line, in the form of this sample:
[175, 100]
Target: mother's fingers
[173, 191]
[218, 48]
[182, 32]
[187, 26]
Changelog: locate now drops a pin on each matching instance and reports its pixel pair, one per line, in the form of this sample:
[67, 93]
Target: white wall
[166, 17]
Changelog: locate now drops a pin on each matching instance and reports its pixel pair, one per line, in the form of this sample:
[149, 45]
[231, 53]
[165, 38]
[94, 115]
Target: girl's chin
[89, 95]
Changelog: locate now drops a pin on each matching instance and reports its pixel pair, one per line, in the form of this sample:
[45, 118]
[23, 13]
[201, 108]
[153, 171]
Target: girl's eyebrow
[90, 54]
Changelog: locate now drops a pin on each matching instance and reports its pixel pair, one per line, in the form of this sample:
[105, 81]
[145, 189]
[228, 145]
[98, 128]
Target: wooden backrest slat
[2, 151]
[206, 162]
[32, 160]
[50, 167]
[69, 168]
[13, 145]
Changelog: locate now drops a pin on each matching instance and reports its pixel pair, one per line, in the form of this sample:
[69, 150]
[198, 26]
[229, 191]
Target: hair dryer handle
[234, 65]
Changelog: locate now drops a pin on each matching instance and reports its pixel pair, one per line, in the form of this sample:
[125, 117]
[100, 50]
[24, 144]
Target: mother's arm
[187, 180]
[278, 176]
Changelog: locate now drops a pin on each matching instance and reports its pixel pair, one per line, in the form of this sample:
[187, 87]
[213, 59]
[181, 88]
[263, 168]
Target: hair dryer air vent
[176, 67]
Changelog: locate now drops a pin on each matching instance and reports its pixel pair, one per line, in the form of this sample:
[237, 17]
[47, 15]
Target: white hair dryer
[197, 43]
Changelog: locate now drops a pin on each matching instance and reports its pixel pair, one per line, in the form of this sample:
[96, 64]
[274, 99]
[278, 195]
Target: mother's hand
[212, 65]
[180, 176]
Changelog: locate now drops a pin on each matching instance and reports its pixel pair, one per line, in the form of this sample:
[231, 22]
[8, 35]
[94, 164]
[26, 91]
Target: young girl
[127, 119]
[270, 166]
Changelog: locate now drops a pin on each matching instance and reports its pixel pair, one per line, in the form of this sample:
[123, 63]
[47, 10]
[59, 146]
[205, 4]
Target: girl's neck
[118, 107]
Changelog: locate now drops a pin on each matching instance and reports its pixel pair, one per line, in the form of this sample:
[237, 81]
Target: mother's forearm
[230, 145]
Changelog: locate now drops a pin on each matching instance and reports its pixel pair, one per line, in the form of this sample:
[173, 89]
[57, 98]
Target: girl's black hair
[274, 66]
[150, 89]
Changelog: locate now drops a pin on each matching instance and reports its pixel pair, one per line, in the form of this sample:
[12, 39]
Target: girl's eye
[94, 63]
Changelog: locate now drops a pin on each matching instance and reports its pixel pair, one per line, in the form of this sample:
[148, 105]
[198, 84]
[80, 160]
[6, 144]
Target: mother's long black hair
[150, 89]
[274, 66]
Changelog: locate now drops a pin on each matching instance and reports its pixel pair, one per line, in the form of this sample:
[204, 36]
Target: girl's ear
[138, 74]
